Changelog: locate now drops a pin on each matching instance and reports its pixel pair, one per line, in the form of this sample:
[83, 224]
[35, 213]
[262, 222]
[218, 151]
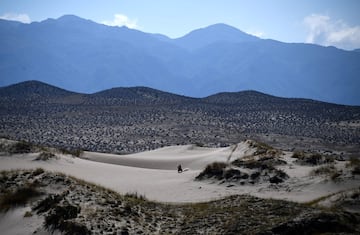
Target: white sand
[154, 174]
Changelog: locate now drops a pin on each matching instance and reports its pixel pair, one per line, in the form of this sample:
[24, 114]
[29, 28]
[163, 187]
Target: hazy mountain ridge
[32, 90]
[84, 56]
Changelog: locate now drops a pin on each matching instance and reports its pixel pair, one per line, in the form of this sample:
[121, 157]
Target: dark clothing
[179, 169]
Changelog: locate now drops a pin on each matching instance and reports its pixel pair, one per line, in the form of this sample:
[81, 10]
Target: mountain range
[88, 57]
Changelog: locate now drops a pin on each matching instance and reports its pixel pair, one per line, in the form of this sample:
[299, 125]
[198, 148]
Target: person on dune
[179, 169]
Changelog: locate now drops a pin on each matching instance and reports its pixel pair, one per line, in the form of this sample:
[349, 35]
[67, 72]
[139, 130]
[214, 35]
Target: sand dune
[154, 174]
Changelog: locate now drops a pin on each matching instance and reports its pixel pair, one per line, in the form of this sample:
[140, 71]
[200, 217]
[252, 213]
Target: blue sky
[325, 22]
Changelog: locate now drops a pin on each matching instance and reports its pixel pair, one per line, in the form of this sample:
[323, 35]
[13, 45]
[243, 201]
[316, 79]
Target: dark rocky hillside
[126, 120]
[136, 96]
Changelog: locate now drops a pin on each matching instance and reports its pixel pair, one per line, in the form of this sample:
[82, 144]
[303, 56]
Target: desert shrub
[329, 171]
[50, 202]
[231, 173]
[59, 218]
[44, 156]
[135, 196]
[355, 164]
[281, 174]
[18, 197]
[38, 171]
[199, 144]
[323, 170]
[28, 214]
[312, 159]
[73, 228]
[356, 170]
[73, 152]
[254, 164]
[21, 147]
[260, 145]
[215, 169]
[255, 175]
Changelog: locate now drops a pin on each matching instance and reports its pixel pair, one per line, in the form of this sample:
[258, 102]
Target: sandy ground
[154, 174]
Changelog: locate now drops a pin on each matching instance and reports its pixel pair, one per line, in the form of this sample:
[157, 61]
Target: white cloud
[23, 18]
[328, 32]
[122, 20]
[255, 33]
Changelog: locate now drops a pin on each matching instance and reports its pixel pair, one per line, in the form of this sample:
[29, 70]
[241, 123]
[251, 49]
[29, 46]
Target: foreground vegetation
[74, 206]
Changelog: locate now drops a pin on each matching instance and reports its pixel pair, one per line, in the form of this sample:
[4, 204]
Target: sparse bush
[38, 171]
[59, 219]
[28, 214]
[73, 152]
[199, 144]
[254, 164]
[329, 170]
[255, 175]
[298, 155]
[21, 147]
[356, 170]
[215, 169]
[135, 196]
[355, 164]
[232, 173]
[19, 197]
[312, 159]
[323, 170]
[50, 202]
[44, 156]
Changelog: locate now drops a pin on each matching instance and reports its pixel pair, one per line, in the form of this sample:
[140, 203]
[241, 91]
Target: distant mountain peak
[33, 88]
[212, 34]
[69, 18]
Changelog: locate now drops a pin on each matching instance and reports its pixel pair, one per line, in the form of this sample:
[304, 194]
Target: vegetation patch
[19, 197]
[21, 147]
[213, 170]
[354, 163]
[312, 159]
[330, 171]
[76, 152]
[45, 156]
[60, 219]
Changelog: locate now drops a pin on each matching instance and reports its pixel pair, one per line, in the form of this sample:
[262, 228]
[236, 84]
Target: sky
[323, 22]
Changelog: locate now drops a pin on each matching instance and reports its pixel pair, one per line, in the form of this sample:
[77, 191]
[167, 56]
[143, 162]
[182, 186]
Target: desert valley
[111, 130]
